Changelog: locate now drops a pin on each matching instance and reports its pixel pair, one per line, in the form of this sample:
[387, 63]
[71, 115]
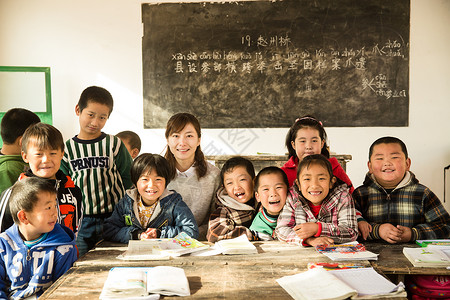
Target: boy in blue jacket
[36, 250]
[150, 210]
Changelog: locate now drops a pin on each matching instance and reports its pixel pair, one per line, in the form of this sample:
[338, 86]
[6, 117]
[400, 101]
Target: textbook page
[127, 283]
[316, 284]
[239, 245]
[144, 250]
[169, 281]
[366, 281]
[162, 249]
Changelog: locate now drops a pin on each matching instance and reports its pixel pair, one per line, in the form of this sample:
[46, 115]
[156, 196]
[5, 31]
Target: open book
[350, 251]
[358, 283]
[239, 245]
[144, 283]
[428, 257]
[162, 249]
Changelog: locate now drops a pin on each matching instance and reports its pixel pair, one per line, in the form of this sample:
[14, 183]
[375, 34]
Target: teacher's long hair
[176, 124]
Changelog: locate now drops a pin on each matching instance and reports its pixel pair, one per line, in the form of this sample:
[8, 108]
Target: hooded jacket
[27, 271]
[70, 206]
[171, 216]
[231, 218]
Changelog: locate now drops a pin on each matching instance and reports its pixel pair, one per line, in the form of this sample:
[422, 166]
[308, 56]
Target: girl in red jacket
[306, 137]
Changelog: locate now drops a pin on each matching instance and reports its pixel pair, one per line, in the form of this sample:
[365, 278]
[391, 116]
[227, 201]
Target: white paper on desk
[366, 281]
[315, 284]
[128, 283]
[144, 250]
[213, 250]
[169, 281]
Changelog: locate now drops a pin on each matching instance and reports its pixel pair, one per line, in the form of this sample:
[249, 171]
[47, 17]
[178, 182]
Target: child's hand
[321, 240]
[406, 233]
[390, 233]
[364, 229]
[150, 233]
[306, 230]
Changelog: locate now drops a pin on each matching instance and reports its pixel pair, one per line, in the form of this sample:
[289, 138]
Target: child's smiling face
[388, 164]
[238, 184]
[43, 163]
[272, 192]
[43, 217]
[150, 186]
[315, 183]
[307, 142]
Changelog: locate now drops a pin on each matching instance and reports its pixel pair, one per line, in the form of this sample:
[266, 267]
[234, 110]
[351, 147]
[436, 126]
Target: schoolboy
[395, 207]
[271, 188]
[43, 149]
[235, 202]
[98, 162]
[132, 142]
[13, 125]
[36, 250]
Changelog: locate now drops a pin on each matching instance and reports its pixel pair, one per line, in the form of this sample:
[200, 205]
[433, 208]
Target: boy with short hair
[395, 207]
[236, 205]
[271, 188]
[36, 250]
[132, 142]
[43, 149]
[14, 123]
[99, 164]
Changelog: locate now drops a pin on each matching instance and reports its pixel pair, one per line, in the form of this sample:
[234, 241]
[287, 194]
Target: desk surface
[220, 276]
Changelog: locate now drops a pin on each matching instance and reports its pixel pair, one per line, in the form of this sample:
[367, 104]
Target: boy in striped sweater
[99, 164]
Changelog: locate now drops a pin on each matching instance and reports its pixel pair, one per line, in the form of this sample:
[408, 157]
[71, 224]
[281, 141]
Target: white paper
[315, 284]
[239, 245]
[127, 283]
[169, 281]
[366, 281]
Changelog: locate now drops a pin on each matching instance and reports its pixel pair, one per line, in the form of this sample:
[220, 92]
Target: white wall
[99, 43]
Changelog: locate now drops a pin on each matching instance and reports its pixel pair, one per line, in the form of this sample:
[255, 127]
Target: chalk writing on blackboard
[263, 63]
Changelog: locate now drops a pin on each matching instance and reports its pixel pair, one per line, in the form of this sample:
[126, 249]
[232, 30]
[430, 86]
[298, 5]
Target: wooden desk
[393, 263]
[220, 276]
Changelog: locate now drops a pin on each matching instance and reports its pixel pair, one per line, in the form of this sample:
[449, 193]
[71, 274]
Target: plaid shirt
[410, 204]
[336, 216]
[227, 223]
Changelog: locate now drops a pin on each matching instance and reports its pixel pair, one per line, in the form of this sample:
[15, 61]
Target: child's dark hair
[306, 122]
[43, 136]
[14, 123]
[176, 123]
[388, 140]
[24, 194]
[271, 170]
[131, 137]
[237, 161]
[315, 159]
[146, 162]
[96, 94]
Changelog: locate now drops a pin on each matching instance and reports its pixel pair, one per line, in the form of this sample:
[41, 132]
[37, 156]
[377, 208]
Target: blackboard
[255, 64]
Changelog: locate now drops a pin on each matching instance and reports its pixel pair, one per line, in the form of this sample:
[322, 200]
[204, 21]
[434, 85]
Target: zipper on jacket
[28, 255]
